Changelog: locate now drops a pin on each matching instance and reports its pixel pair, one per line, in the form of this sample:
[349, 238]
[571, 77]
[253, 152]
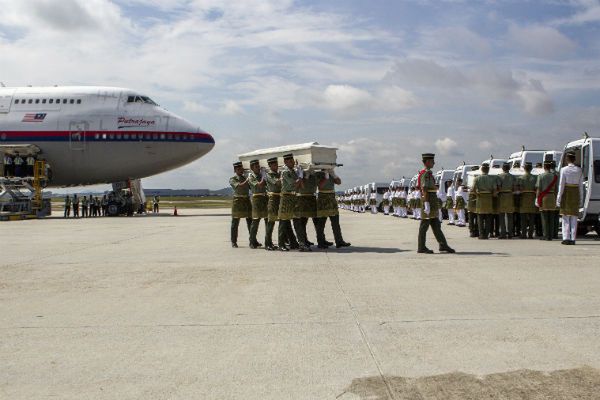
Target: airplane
[93, 135]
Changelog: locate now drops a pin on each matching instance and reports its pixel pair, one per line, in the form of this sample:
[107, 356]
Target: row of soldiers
[90, 206]
[290, 197]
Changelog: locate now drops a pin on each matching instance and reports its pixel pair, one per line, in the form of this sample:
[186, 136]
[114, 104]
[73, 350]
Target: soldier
[373, 201]
[258, 185]
[274, 192]
[241, 206]
[417, 203]
[402, 202]
[75, 206]
[386, 201]
[506, 202]
[485, 187]
[546, 200]
[441, 200]
[30, 161]
[527, 208]
[426, 184]
[103, 204]
[472, 209]
[18, 165]
[326, 208]
[450, 194]
[67, 206]
[84, 206]
[570, 195]
[8, 165]
[290, 182]
[557, 209]
[306, 207]
[461, 198]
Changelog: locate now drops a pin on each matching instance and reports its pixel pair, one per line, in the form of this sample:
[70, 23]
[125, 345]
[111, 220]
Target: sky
[384, 81]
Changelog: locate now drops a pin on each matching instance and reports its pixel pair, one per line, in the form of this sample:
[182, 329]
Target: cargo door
[77, 131]
[6, 97]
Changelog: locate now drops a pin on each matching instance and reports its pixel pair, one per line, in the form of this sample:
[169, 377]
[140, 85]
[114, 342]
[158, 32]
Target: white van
[461, 172]
[518, 160]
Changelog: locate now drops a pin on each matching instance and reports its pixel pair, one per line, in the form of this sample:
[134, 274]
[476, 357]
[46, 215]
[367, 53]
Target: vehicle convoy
[587, 155]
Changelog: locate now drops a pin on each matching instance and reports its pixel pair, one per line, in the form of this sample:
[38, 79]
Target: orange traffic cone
[175, 211]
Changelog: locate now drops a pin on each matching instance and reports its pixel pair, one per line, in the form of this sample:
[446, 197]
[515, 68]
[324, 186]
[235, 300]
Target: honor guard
[570, 196]
[527, 208]
[8, 165]
[472, 209]
[75, 206]
[506, 202]
[386, 201]
[373, 201]
[306, 207]
[84, 206]
[240, 206]
[485, 187]
[18, 164]
[67, 206]
[290, 182]
[546, 187]
[30, 161]
[402, 202]
[327, 208]
[450, 194]
[461, 198]
[274, 193]
[441, 200]
[258, 186]
[426, 185]
[418, 203]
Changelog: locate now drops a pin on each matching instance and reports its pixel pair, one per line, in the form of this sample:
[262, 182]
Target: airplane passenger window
[64, 101]
[37, 101]
[72, 101]
[78, 101]
[51, 101]
[43, 101]
[57, 101]
[30, 101]
[17, 101]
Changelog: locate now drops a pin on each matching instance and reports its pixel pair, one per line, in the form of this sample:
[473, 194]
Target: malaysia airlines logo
[34, 117]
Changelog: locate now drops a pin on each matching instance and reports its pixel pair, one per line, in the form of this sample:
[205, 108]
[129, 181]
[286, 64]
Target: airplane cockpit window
[141, 99]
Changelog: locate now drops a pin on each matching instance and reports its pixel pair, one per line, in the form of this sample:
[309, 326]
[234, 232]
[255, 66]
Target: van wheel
[112, 210]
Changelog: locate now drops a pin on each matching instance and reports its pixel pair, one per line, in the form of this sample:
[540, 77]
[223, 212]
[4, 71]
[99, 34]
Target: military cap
[237, 164]
[485, 165]
[570, 154]
[288, 156]
[272, 160]
[428, 156]
[548, 163]
[254, 162]
[528, 164]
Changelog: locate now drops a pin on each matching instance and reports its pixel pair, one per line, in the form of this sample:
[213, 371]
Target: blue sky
[382, 80]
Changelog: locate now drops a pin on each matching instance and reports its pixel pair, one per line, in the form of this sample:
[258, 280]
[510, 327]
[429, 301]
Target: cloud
[588, 12]
[231, 108]
[195, 107]
[485, 145]
[446, 146]
[346, 97]
[456, 40]
[541, 42]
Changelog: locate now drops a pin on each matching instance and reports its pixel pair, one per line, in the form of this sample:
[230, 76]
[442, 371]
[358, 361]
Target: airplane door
[77, 130]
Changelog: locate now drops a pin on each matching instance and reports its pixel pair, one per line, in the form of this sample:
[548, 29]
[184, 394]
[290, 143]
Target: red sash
[419, 178]
[547, 190]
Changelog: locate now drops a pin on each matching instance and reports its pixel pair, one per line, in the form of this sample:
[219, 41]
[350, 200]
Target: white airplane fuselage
[92, 135]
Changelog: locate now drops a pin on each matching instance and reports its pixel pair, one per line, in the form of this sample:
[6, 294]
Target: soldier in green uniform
[306, 207]
[240, 206]
[430, 217]
[527, 208]
[290, 182]
[258, 185]
[485, 188]
[472, 210]
[327, 208]
[274, 192]
[546, 187]
[506, 202]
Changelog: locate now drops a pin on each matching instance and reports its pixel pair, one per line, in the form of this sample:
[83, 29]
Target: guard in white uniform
[570, 195]
[461, 198]
[450, 204]
[441, 195]
[373, 202]
[386, 202]
[417, 201]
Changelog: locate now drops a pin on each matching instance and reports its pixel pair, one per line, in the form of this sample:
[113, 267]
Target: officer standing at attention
[485, 187]
[290, 182]
[426, 183]
[30, 163]
[506, 202]
[327, 208]
[570, 195]
[84, 206]
[546, 186]
[527, 208]
[67, 206]
[273, 179]
[8, 165]
[75, 206]
[18, 162]
[306, 207]
[240, 206]
[258, 185]
[472, 209]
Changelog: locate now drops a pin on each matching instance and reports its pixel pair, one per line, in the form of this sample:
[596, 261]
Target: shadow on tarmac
[358, 249]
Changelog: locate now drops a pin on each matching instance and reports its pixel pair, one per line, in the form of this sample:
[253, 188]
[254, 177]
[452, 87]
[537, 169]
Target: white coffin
[311, 156]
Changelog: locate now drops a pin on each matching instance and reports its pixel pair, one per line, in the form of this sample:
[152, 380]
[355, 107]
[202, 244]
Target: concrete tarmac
[162, 307]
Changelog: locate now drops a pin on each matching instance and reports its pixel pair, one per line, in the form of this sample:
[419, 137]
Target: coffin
[311, 156]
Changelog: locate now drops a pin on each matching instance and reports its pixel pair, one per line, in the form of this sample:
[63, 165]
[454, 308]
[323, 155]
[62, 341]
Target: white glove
[263, 173]
[558, 204]
[537, 204]
[299, 172]
[326, 174]
[426, 207]
[332, 173]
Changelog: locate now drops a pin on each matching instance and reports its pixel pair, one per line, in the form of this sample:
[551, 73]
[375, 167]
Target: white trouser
[451, 216]
[386, 210]
[403, 212]
[569, 227]
[373, 209]
[461, 217]
[440, 215]
[418, 213]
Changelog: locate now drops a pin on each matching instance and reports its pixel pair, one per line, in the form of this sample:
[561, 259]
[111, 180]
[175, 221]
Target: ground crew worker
[8, 165]
[273, 179]
[258, 185]
[306, 207]
[155, 204]
[461, 198]
[30, 163]
[426, 185]
[290, 182]
[485, 187]
[527, 208]
[327, 208]
[75, 206]
[570, 196]
[84, 206]
[240, 206]
[506, 202]
[18, 162]
[546, 187]
[67, 206]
